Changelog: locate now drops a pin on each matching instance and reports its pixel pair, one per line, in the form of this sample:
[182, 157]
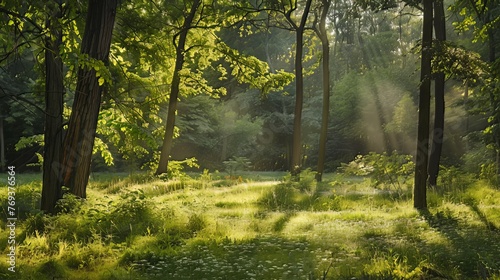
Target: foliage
[452, 179]
[297, 193]
[235, 164]
[305, 182]
[176, 167]
[281, 198]
[489, 172]
[403, 121]
[390, 171]
[69, 203]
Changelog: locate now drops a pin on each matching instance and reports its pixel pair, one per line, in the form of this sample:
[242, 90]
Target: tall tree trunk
[420, 188]
[439, 105]
[174, 89]
[296, 164]
[54, 93]
[325, 112]
[79, 140]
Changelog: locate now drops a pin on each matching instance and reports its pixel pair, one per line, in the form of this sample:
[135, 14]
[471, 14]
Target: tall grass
[143, 227]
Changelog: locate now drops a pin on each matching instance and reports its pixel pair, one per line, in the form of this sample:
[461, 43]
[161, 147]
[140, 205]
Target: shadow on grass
[470, 249]
[482, 216]
[280, 224]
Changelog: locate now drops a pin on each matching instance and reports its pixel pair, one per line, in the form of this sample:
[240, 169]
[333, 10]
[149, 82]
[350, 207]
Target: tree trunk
[439, 105]
[79, 140]
[420, 188]
[296, 164]
[54, 93]
[174, 90]
[326, 90]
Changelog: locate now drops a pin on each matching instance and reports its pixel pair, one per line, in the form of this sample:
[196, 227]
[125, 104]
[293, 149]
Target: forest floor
[254, 226]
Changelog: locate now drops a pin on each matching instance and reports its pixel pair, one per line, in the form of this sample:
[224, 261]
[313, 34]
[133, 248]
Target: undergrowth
[144, 227]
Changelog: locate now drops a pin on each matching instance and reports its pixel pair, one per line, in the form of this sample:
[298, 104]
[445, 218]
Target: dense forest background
[221, 80]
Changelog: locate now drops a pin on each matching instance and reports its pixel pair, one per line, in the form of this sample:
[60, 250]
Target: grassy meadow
[255, 226]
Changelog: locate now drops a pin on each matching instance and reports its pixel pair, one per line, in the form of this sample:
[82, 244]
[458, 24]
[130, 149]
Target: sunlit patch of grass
[345, 228]
[33, 245]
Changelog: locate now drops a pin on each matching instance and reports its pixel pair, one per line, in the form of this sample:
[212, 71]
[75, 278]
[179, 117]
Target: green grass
[254, 227]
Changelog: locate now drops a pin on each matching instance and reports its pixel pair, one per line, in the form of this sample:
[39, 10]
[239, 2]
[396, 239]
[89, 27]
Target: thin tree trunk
[79, 139]
[326, 90]
[439, 105]
[296, 164]
[420, 188]
[54, 93]
[174, 90]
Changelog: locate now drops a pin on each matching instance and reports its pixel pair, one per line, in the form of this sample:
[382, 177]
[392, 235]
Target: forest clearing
[257, 226]
[259, 139]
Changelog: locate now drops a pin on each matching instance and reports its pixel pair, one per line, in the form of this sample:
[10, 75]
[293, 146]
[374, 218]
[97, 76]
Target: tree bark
[296, 164]
[420, 188]
[54, 93]
[79, 140]
[325, 112]
[439, 105]
[174, 89]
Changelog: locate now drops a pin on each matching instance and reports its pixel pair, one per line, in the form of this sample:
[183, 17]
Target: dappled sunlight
[346, 229]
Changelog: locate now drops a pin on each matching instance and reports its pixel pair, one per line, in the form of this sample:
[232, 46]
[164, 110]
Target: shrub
[35, 223]
[235, 164]
[489, 172]
[306, 182]
[281, 197]
[196, 223]
[69, 203]
[327, 203]
[176, 167]
[130, 214]
[391, 171]
[452, 179]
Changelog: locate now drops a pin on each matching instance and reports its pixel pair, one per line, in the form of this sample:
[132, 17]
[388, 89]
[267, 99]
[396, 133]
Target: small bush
[173, 236]
[35, 223]
[327, 203]
[176, 168]
[281, 197]
[306, 182]
[489, 172]
[392, 171]
[452, 179]
[130, 214]
[196, 223]
[69, 203]
[235, 164]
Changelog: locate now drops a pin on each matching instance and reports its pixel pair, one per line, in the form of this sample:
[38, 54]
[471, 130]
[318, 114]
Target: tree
[299, 29]
[325, 46]
[92, 75]
[54, 91]
[180, 52]
[421, 174]
[200, 23]
[439, 105]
